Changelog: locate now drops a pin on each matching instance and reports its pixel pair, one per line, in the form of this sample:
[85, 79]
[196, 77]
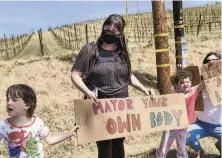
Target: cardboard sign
[212, 78]
[213, 86]
[195, 73]
[212, 70]
[116, 118]
[195, 81]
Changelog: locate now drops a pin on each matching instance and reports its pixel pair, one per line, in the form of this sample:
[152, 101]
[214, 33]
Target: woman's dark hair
[119, 23]
[218, 55]
[26, 93]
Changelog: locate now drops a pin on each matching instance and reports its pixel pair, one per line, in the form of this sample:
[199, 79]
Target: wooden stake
[6, 46]
[40, 41]
[162, 58]
[86, 31]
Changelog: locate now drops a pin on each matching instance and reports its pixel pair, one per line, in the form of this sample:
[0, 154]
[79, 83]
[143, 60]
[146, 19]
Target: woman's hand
[149, 92]
[92, 95]
[210, 64]
[74, 129]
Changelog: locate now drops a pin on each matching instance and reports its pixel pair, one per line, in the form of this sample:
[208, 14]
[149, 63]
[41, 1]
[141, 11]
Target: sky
[18, 17]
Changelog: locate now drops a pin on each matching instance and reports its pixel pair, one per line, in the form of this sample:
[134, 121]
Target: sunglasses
[208, 60]
[111, 28]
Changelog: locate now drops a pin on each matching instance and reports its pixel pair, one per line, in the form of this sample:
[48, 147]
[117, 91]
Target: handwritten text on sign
[115, 118]
[213, 86]
[211, 71]
[212, 79]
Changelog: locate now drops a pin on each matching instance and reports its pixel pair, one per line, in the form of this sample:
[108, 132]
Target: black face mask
[109, 37]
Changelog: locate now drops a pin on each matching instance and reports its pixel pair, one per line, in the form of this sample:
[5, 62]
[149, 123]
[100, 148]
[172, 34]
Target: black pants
[111, 148]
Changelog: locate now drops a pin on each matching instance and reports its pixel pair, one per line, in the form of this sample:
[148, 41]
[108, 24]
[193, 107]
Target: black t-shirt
[109, 74]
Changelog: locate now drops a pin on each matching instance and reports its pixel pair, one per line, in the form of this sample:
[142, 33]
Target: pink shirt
[191, 97]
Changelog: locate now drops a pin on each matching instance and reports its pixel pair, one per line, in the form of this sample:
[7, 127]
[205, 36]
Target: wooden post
[70, 46]
[142, 30]
[94, 32]
[138, 35]
[204, 20]
[134, 29]
[40, 41]
[161, 46]
[90, 33]
[127, 22]
[147, 30]
[196, 13]
[86, 33]
[190, 23]
[64, 37]
[22, 39]
[13, 45]
[60, 36]
[180, 40]
[18, 40]
[1, 41]
[75, 37]
[138, 9]
[209, 24]
[198, 26]
[6, 47]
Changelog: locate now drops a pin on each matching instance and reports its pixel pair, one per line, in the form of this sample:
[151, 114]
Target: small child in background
[183, 82]
[22, 131]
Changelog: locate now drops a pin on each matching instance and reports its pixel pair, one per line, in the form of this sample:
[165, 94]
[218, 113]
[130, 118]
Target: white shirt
[23, 142]
[210, 114]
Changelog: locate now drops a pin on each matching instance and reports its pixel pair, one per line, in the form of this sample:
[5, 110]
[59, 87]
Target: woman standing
[105, 66]
[209, 121]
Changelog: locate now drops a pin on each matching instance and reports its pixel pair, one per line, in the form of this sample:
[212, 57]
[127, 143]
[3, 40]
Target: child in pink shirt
[183, 82]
